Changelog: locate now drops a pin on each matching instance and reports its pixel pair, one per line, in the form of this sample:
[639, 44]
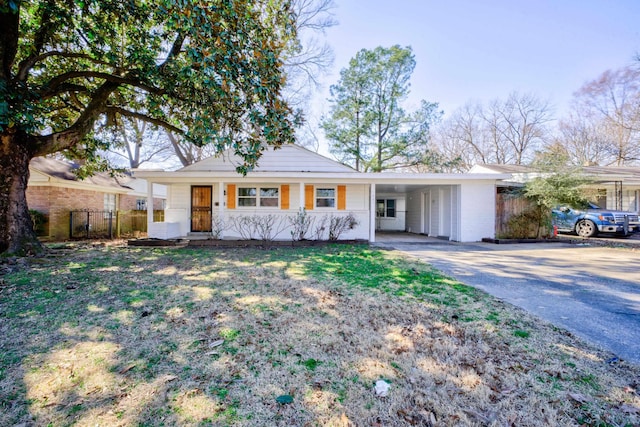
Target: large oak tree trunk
[16, 228]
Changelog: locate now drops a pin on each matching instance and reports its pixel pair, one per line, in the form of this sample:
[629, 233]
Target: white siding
[282, 225]
[425, 211]
[397, 223]
[414, 212]
[455, 213]
[179, 207]
[477, 211]
[445, 212]
[434, 214]
[164, 230]
[289, 158]
[357, 197]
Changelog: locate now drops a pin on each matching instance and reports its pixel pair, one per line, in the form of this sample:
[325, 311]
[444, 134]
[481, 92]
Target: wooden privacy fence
[508, 205]
[109, 224]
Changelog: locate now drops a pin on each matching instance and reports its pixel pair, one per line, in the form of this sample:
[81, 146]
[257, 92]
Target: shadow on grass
[201, 337]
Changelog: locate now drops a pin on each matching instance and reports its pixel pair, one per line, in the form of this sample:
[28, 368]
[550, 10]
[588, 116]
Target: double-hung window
[258, 196]
[141, 204]
[386, 208]
[110, 202]
[325, 197]
[269, 197]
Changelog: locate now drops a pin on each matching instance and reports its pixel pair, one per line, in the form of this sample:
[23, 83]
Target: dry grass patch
[147, 337]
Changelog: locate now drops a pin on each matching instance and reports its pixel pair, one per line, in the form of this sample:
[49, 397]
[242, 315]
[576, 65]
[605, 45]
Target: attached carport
[430, 210]
[457, 207]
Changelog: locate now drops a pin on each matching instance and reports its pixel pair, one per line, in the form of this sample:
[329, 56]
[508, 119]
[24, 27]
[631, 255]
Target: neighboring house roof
[519, 173]
[614, 173]
[494, 168]
[601, 174]
[287, 158]
[46, 171]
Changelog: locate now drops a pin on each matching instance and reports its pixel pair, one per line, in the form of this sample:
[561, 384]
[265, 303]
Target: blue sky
[484, 49]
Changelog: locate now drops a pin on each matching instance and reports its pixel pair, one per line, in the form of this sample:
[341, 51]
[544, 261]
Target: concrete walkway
[592, 291]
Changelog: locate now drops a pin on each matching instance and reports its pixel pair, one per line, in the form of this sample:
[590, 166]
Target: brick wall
[57, 202]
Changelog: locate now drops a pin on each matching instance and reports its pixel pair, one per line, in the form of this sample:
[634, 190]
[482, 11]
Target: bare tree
[459, 139]
[308, 59]
[503, 131]
[520, 126]
[133, 142]
[582, 139]
[186, 152]
[613, 103]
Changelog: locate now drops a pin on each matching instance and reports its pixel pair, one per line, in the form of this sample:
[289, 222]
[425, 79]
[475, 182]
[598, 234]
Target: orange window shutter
[308, 197]
[231, 196]
[284, 197]
[342, 197]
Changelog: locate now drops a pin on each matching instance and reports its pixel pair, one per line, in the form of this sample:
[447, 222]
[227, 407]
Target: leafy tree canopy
[558, 183]
[367, 126]
[210, 71]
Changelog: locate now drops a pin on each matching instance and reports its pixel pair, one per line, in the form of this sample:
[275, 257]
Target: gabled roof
[288, 158]
[63, 171]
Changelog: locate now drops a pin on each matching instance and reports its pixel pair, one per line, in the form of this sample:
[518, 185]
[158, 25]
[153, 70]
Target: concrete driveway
[592, 291]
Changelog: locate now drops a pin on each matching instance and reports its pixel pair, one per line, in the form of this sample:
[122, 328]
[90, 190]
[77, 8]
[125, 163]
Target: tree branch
[174, 52]
[71, 136]
[65, 88]
[28, 63]
[145, 118]
[51, 88]
[176, 148]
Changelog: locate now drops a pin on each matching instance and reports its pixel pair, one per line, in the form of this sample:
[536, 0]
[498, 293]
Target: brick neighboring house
[55, 191]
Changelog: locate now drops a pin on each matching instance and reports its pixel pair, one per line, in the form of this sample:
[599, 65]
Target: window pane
[110, 202]
[391, 208]
[268, 192]
[325, 203]
[269, 201]
[326, 192]
[247, 192]
[247, 201]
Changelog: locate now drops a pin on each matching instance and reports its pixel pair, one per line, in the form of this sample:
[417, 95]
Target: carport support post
[149, 206]
[221, 207]
[301, 197]
[372, 213]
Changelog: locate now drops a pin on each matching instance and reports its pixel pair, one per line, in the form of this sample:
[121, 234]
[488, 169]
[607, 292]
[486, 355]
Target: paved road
[593, 292]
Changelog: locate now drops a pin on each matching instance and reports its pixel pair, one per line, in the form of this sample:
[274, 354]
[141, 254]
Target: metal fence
[109, 224]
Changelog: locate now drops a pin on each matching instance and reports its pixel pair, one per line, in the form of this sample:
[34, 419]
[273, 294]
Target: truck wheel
[586, 228]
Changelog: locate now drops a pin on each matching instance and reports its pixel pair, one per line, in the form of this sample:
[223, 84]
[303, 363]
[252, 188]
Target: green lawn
[99, 335]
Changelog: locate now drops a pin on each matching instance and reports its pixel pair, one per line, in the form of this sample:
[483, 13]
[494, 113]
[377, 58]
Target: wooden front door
[201, 208]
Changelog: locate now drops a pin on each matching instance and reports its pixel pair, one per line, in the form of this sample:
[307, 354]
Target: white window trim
[107, 205]
[386, 208]
[257, 197]
[335, 197]
[141, 204]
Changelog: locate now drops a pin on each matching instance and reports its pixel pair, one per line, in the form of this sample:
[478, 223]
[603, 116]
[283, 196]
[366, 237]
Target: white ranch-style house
[292, 179]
